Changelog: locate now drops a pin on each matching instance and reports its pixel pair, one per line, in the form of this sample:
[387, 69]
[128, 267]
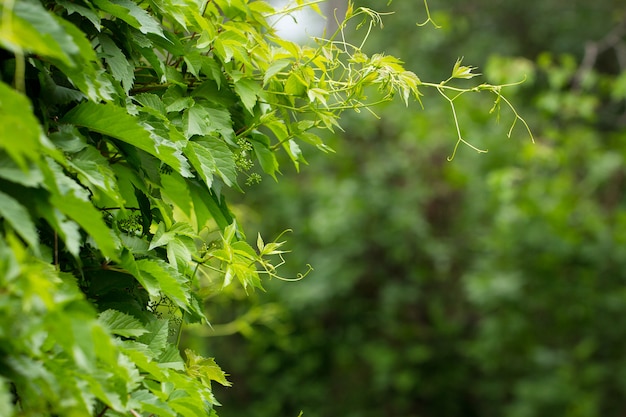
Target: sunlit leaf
[19, 130]
[34, 29]
[205, 369]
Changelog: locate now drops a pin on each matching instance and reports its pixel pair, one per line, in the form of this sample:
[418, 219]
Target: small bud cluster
[244, 163]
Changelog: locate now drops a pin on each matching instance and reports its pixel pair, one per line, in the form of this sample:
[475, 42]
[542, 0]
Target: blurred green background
[492, 285]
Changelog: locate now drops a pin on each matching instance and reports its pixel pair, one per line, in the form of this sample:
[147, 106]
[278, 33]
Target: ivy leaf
[248, 90]
[265, 156]
[6, 398]
[188, 406]
[147, 281]
[274, 68]
[169, 280]
[72, 200]
[179, 242]
[121, 324]
[149, 403]
[193, 59]
[85, 51]
[18, 121]
[122, 70]
[294, 152]
[170, 358]
[86, 12]
[224, 160]
[11, 172]
[195, 121]
[296, 86]
[17, 216]
[68, 230]
[96, 172]
[204, 120]
[212, 156]
[152, 104]
[156, 337]
[115, 121]
[176, 190]
[462, 71]
[207, 206]
[132, 14]
[34, 29]
[84, 213]
[205, 369]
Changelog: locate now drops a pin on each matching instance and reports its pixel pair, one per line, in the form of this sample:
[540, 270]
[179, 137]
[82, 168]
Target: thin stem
[458, 128]
[294, 8]
[429, 18]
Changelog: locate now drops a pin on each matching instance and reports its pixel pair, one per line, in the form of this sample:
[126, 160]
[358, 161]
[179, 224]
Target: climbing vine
[122, 123]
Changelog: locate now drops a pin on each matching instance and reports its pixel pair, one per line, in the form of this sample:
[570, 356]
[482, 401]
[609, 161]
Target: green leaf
[170, 358]
[95, 171]
[115, 121]
[155, 62]
[204, 120]
[461, 71]
[296, 86]
[19, 130]
[274, 68]
[68, 139]
[294, 152]
[212, 156]
[224, 160]
[17, 216]
[176, 189]
[68, 230]
[86, 12]
[208, 206]
[83, 213]
[156, 336]
[6, 398]
[212, 69]
[169, 280]
[195, 121]
[11, 172]
[162, 237]
[152, 104]
[121, 69]
[265, 156]
[248, 90]
[121, 324]
[85, 53]
[205, 369]
[147, 281]
[147, 402]
[34, 29]
[188, 406]
[193, 59]
[132, 14]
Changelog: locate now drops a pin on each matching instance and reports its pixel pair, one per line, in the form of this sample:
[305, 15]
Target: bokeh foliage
[492, 285]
